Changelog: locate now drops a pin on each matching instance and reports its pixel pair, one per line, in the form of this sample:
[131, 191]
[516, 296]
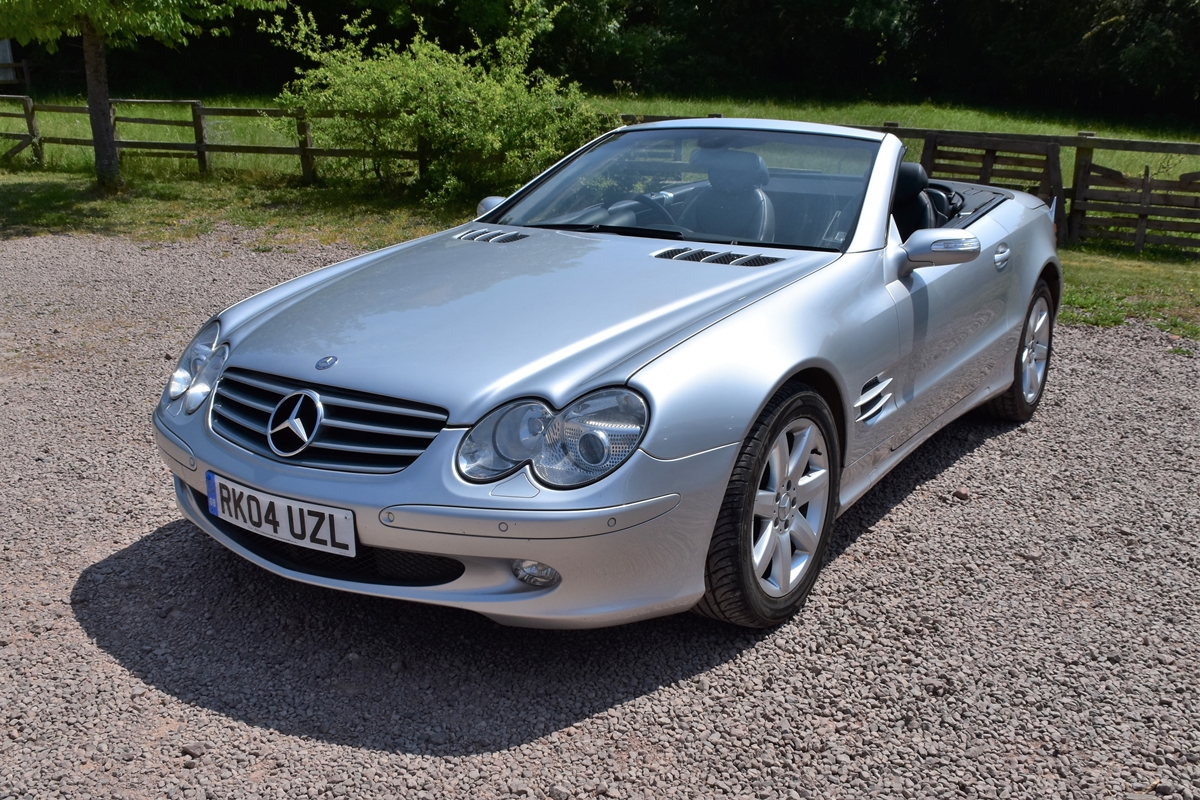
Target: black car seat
[734, 203]
[941, 205]
[911, 207]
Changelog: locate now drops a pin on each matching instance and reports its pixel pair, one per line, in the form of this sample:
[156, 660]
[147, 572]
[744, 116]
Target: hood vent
[717, 257]
[488, 235]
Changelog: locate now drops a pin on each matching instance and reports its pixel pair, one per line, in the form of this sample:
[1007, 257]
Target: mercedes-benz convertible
[646, 382]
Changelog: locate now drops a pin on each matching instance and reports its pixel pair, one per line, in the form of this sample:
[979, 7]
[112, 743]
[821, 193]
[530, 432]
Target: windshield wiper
[622, 230]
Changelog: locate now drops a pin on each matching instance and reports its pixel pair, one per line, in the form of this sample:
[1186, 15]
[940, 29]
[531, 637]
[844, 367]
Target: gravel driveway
[1038, 638]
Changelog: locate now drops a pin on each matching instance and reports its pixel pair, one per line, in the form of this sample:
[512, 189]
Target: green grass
[166, 199]
[153, 209]
[1104, 287]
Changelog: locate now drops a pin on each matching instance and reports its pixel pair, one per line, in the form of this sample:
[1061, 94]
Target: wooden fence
[200, 147]
[1099, 203]
[1139, 209]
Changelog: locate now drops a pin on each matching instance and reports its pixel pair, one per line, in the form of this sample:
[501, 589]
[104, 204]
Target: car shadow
[196, 622]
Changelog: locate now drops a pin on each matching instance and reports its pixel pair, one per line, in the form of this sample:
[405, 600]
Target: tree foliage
[1118, 57]
[482, 121]
[117, 22]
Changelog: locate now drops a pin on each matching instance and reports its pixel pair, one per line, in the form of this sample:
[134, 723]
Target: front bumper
[629, 547]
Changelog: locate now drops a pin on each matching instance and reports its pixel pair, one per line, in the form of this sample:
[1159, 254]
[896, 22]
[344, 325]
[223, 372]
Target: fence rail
[200, 147]
[1100, 203]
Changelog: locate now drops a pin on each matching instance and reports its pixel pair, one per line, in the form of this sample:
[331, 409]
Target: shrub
[482, 122]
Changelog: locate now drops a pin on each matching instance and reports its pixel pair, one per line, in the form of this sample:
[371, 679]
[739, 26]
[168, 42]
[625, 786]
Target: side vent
[716, 257]
[874, 398]
[497, 237]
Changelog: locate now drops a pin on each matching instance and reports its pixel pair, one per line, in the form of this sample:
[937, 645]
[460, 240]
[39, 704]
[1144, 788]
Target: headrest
[732, 171]
[910, 181]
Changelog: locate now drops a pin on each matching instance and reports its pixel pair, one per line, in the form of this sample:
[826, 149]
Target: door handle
[1002, 254]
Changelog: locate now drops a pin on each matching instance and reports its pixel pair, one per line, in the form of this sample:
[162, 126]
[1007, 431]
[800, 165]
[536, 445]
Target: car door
[953, 326]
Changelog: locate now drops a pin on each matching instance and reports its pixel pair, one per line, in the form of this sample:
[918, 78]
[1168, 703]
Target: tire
[1032, 366]
[775, 521]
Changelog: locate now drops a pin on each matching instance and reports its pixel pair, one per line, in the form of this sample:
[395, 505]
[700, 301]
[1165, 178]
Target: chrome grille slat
[320, 463]
[257, 382]
[397, 409]
[239, 419]
[360, 432]
[247, 400]
[333, 422]
[366, 448]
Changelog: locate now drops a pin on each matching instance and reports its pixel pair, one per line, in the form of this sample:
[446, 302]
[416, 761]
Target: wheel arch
[824, 384]
[1052, 274]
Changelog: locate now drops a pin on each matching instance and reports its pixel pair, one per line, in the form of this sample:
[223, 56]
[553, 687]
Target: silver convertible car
[646, 382]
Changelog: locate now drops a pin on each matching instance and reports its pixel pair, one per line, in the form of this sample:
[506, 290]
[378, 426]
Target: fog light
[535, 573]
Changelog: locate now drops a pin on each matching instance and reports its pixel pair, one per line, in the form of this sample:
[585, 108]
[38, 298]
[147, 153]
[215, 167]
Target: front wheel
[1032, 366]
[775, 522]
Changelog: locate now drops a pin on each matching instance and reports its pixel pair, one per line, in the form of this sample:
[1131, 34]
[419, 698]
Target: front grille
[360, 432]
[376, 565]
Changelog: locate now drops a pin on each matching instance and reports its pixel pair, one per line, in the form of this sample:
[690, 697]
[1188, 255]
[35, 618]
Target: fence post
[308, 167]
[1054, 188]
[422, 155]
[1144, 211]
[200, 128]
[929, 153]
[1083, 168]
[35, 135]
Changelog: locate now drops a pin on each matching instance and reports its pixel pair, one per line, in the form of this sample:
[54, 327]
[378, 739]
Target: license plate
[330, 530]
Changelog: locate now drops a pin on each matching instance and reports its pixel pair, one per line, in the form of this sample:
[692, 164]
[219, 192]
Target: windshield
[710, 185]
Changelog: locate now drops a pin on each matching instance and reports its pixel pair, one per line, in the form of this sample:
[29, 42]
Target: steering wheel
[659, 215]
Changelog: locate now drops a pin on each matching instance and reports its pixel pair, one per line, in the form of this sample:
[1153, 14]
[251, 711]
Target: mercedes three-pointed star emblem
[294, 422]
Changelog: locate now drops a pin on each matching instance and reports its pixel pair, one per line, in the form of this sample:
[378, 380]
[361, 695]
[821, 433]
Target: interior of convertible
[735, 186]
[786, 189]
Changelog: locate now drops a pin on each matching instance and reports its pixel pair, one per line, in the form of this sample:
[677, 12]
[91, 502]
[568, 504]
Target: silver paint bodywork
[468, 326]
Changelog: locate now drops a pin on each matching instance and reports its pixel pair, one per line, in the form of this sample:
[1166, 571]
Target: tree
[113, 23]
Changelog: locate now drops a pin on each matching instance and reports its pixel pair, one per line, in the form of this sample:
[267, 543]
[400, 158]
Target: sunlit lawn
[166, 198]
[280, 209]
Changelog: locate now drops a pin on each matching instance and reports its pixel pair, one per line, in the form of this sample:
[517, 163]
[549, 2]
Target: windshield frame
[494, 215]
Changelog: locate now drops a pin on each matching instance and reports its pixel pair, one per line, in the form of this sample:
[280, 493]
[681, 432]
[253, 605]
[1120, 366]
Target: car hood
[467, 325]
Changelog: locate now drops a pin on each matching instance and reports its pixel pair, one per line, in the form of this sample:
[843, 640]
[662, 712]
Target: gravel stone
[194, 749]
[1039, 641]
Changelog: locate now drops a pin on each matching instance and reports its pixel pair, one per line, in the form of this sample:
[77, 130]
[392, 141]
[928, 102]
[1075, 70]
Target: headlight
[193, 359]
[202, 384]
[582, 443]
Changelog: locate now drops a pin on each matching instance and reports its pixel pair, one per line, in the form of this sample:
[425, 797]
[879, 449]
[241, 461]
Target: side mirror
[487, 204]
[938, 247]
